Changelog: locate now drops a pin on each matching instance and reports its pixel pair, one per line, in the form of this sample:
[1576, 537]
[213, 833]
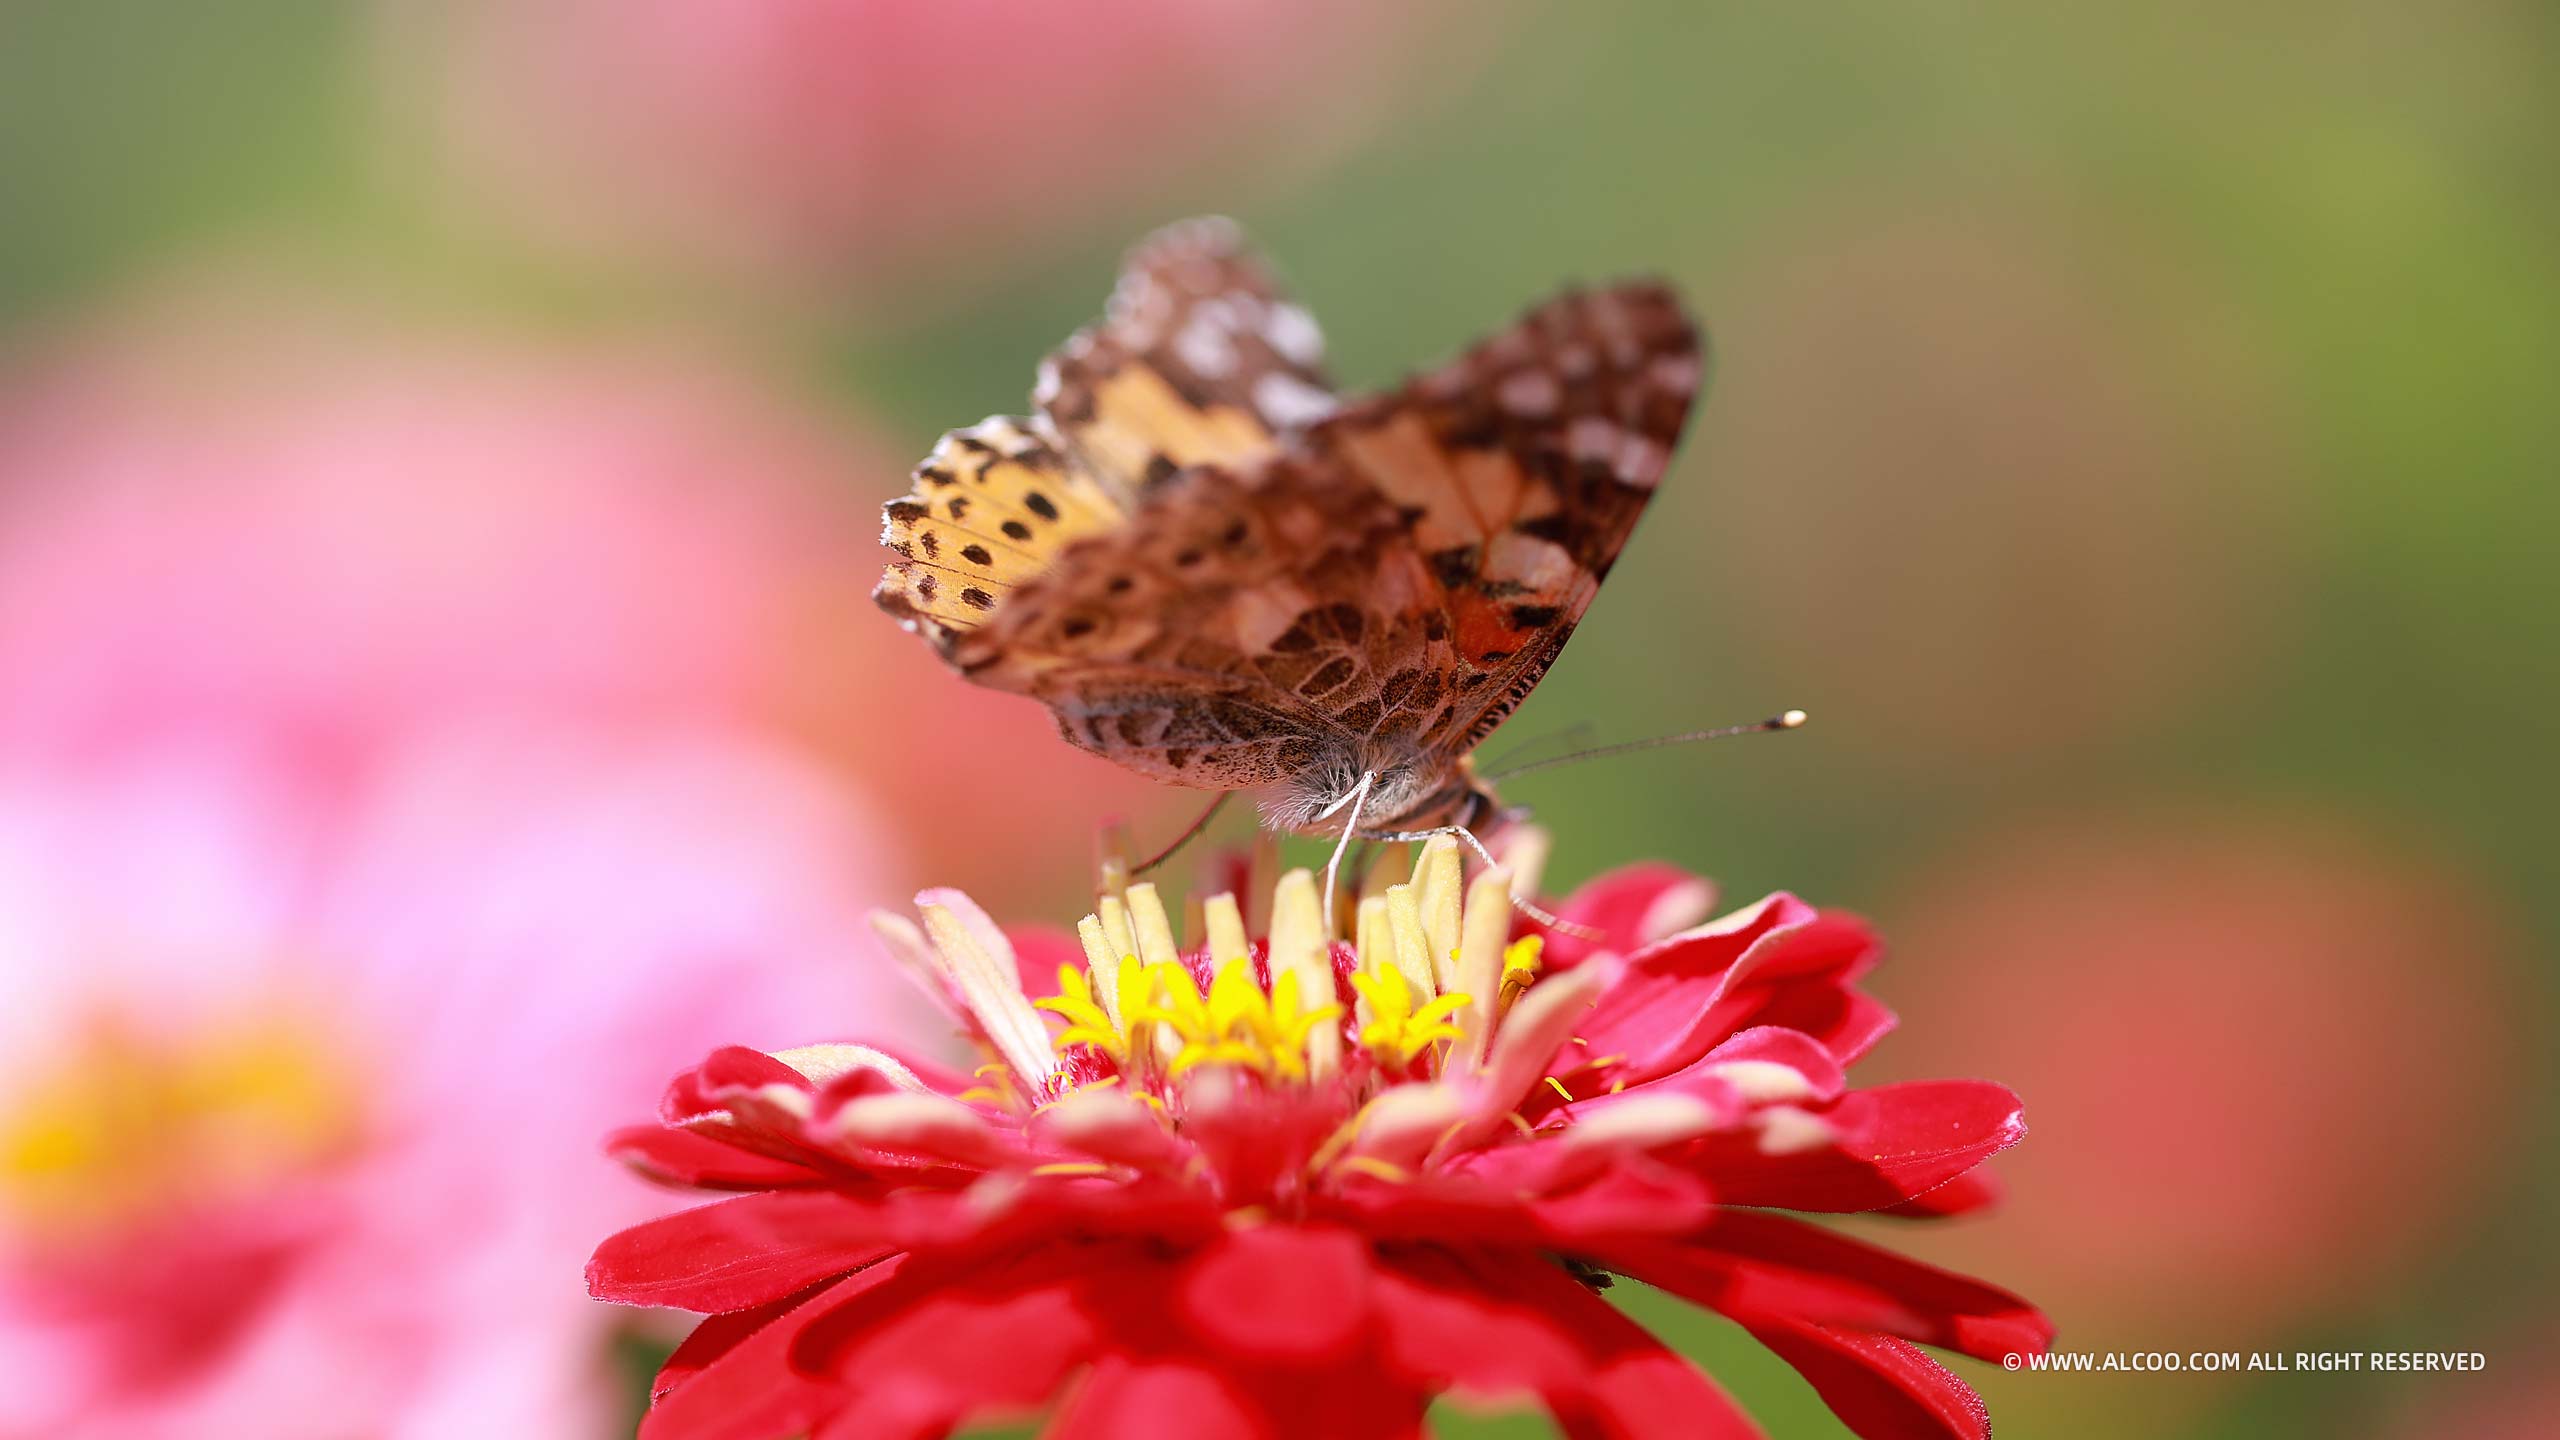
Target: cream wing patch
[991, 506]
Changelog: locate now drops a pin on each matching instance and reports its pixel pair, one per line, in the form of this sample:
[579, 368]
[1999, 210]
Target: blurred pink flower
[2274, 1061]
[283, 1086]
[314, 535]
[406, 759]
[799, 133]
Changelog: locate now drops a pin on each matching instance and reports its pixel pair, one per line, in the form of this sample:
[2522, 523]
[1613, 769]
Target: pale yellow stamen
[1300, 951]
[1393, 867]
[1412, 950]
[1224, 922]
[1114, 914]
[1371, 941]
[1103, 964]
[1156, 945]
[1438, 884]
[1484, 926]
[1157, 948]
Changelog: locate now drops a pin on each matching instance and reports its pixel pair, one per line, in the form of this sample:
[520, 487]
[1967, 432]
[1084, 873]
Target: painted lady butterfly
[1215, 572]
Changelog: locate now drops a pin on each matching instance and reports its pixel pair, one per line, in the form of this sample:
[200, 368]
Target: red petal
[1764, 1268]
[962, 1339]
[685, 1157]
[1778, 1045]
[1631, 908]
[729, 1068]
[1502, 1325]
[1975, 1190]
[854, 1070]
[716, 1336]
[1293, 1294]
[1848, 1022]
[1894, 1143]
[732, 1380]
[737, 1253]
[1779, 963]
[1126, 1396]
[1881, 1388]
[1728, 1080]
[1634, 1197]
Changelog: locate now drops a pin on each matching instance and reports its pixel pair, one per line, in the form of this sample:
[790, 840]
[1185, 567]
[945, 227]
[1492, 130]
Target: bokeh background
[438, 449]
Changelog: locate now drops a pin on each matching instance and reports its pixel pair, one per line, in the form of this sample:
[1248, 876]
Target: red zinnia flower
[1298, 1187]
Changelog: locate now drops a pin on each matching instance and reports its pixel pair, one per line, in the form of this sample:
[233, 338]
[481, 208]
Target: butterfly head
[1407, 793]
[1462, 799]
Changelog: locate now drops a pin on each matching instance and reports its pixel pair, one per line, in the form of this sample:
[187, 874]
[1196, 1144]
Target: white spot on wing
[1204, 345]
[1641, 461]
[1675, 374]
[1292, 332]
[1592, 437]
[1529, 392]
[1289, 402]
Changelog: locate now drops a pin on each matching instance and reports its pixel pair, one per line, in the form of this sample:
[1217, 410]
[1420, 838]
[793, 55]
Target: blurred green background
[2132, 439]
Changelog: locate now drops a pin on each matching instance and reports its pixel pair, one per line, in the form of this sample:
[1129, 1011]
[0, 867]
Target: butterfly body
[1214, 572]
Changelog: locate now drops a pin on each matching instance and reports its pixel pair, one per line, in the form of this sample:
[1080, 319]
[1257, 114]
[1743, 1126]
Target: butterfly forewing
[1202, 359]
[991, 507]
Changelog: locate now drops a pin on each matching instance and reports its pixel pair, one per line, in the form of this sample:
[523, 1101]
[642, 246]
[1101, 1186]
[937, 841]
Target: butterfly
[1216, 571]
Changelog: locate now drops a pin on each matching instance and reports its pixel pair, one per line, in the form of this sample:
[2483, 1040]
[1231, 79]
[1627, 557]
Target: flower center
[1430, 970]
[124, 1125]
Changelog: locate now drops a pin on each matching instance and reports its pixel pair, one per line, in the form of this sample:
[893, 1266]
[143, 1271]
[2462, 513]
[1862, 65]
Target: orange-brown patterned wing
[1200, 359]
[1203, 643]
[1393, 582]
[991, 507]
[1522, 467]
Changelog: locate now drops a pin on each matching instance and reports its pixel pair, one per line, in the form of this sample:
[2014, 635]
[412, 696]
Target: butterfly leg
[1189, 832]
[1358, 797]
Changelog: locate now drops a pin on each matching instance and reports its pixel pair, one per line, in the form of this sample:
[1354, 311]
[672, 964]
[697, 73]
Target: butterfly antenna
[1788, 721]
[1189, 833]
